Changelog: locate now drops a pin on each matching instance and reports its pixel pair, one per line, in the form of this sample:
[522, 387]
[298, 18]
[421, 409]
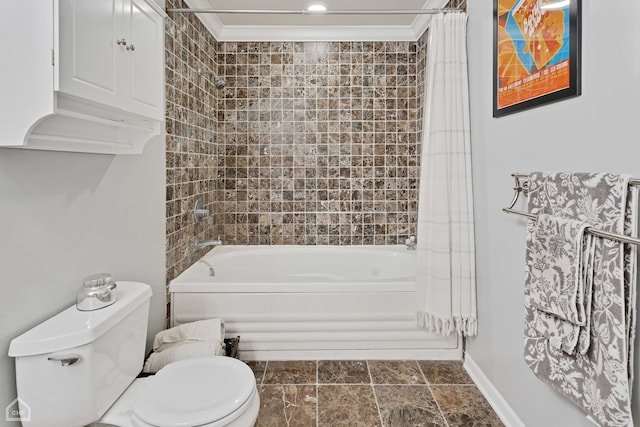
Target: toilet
[80, 368]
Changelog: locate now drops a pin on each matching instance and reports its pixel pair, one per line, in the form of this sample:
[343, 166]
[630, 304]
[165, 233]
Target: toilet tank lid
[72, 327]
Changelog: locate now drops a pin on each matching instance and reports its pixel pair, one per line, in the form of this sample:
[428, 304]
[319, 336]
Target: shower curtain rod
[327, 12]
[524, 189]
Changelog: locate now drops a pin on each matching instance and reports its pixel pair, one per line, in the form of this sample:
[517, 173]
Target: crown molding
[209, 20]
[258, 33]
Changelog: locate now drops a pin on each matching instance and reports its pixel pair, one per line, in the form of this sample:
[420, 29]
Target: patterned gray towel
[598, 377]
[556, 278]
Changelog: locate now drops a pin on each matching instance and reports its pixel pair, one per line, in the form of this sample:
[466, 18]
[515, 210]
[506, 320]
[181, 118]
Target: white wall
[64, 216]
[597, 131]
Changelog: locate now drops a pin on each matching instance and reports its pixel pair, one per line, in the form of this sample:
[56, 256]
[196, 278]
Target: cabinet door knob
[131, 47]
[121, 42]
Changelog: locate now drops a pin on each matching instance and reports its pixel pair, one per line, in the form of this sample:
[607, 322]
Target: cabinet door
[144, 65]
[89, 49]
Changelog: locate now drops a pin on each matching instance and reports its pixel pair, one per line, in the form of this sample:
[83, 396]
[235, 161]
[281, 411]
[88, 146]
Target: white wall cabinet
[89, 55]
[145, 69]
[111, 51]
[90, 78]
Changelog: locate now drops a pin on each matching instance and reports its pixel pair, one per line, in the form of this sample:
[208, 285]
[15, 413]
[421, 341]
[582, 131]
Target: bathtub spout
[207, 243]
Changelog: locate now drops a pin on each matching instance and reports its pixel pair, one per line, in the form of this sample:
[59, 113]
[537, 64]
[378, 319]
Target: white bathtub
[311, 302]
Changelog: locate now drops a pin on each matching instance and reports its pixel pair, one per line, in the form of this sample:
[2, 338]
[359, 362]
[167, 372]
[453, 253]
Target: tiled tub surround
[192, 136]
[369, 393]
[320, 142]
[309, 143]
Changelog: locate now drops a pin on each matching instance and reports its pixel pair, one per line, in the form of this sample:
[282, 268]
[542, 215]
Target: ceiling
[261, 27]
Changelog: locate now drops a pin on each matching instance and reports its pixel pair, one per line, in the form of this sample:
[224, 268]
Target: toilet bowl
[80, 368]
[214, 391]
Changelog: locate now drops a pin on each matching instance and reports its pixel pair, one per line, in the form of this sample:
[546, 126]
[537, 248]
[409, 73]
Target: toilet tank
[71, 368]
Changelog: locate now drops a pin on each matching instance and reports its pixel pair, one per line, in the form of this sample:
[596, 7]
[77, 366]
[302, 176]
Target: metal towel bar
[523, 187]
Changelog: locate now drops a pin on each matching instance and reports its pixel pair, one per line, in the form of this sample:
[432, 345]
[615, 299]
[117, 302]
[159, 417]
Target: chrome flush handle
[66, 359]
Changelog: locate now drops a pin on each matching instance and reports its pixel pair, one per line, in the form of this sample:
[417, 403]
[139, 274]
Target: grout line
[264, 374]
[375, 396]
[284, 407]
[317, 396]
[424, 376]
[456, 385]
[369, 372]
[428, 384]
[369, 383]
[438, 405]
[413, 385]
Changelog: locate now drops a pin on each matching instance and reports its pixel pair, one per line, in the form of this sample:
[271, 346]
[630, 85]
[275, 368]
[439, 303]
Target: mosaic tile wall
[192, 140]
[309, 143]
[320, 142]
[457, 4]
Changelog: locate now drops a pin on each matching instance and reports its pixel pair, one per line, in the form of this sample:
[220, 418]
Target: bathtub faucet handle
[207, 243]
[411, 243]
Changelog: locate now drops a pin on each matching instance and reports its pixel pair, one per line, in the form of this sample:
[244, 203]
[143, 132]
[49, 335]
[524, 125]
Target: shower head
[217, 80]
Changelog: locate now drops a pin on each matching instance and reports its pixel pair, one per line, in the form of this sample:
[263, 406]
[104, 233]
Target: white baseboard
[493, 396]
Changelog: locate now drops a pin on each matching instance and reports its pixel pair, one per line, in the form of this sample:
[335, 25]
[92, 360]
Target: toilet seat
[207, 391]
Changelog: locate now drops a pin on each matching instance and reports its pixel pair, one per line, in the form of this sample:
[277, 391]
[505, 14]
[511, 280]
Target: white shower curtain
[445, 275]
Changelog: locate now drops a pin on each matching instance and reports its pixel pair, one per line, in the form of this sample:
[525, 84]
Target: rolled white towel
[184, 351]
[209, 330]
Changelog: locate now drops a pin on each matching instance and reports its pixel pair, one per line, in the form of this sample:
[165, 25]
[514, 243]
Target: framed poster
[536, 53]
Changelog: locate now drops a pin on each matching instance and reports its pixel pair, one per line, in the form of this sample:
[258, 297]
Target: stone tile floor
[369, 393]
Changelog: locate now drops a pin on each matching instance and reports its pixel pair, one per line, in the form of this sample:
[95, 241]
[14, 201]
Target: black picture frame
[522, 79]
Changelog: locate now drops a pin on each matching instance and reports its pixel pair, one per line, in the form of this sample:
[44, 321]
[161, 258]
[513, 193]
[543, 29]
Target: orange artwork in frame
[536, 53]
